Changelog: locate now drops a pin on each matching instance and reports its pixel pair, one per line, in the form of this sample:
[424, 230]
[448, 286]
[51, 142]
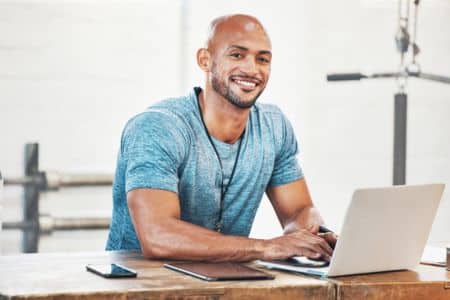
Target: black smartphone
[111, 270]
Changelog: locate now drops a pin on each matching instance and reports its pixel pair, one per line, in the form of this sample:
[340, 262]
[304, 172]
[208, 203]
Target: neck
[223, 120]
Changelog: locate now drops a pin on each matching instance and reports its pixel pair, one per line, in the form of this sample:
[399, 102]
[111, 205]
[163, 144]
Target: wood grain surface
[424, 282]
[63, 276]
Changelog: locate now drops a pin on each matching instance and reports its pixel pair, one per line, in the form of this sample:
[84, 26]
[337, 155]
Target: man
[192, 170]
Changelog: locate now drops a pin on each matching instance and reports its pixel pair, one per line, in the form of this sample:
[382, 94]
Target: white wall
[348, 131]
[73, 72]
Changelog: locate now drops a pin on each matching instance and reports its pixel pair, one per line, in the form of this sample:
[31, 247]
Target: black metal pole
[400, 123]
[30, 237]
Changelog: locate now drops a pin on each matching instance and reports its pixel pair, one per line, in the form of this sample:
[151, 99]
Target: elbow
[154, 251]
[155, 246]
[151, 252]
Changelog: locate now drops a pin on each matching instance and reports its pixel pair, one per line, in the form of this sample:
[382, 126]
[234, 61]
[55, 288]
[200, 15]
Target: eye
[236, 55]
[264, 60]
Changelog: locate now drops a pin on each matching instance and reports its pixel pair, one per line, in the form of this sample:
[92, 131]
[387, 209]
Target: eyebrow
[246, 49]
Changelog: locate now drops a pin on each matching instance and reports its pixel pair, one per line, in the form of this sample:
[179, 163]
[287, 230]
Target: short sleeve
[152, 146]
[286, 167]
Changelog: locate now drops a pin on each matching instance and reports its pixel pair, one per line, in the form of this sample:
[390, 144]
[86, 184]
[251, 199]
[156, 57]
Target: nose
[249, 66]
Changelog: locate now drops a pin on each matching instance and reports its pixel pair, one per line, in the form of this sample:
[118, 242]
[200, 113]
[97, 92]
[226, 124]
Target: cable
[414, 66]
[402, 40]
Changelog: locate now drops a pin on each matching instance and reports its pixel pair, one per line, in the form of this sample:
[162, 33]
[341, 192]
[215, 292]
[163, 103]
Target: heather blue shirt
[166, 147]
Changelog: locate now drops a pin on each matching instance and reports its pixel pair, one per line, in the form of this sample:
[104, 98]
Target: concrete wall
[73, 72]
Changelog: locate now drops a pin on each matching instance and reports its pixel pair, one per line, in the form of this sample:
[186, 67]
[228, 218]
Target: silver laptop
[384, 229]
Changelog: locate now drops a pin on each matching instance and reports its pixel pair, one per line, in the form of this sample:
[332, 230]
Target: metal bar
[385, 75]
[432, 77]
[345, 76]
[51, 180]
[30, 238]
[359, 76]
[80, 223]
[22, 225]
[400, 123]
[85, 179]
[21, 181]
[48, 224]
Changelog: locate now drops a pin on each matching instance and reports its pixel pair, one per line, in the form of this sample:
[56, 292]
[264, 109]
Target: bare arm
[294, 207]
[156, 218]
[296, 212]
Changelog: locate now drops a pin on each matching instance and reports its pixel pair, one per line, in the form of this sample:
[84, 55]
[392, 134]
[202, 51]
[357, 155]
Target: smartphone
[111, 270]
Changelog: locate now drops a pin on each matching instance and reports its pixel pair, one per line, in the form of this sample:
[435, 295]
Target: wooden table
[63, 276]
[424, 282]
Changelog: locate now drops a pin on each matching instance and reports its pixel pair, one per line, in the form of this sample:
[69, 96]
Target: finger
[316, 244]
[313, 242]
[315, 255]
[326, 258]
[310, 254]
[330, 237]
[325, 246]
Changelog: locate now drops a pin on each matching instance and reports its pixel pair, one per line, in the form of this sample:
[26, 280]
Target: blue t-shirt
[166, 147]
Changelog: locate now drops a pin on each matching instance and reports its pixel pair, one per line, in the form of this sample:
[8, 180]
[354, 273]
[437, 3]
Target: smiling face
[237, 60]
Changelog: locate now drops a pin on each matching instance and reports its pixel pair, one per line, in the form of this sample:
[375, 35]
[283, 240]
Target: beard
[223, 89]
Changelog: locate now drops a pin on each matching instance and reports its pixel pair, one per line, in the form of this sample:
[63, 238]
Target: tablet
[218, 271]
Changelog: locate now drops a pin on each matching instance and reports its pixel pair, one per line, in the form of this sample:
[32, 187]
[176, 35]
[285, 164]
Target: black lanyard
[223, 189]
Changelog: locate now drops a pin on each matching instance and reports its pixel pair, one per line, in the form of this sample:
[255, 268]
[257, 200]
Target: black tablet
[218, 271]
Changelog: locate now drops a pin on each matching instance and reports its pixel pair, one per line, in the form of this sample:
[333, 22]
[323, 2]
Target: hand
[330, 237]
[302, 243]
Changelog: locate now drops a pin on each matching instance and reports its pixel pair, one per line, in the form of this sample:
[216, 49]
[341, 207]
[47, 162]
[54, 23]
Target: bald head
[236, 60]
[235, 25]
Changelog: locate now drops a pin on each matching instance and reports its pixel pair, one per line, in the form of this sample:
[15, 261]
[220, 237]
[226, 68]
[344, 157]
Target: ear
[204, 59]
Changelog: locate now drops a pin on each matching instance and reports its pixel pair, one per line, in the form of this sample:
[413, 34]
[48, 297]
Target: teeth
[246, 83]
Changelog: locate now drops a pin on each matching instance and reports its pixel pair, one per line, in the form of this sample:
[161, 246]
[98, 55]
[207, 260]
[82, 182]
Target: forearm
[306, 218]
[294, 207]
[176, 239]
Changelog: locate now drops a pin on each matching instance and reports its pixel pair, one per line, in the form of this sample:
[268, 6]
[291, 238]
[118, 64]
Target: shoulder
[176, 108]
[170, 114]
[273, 121]
[267, 108]
[270, 111]
[165, 123]
[270, 115]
